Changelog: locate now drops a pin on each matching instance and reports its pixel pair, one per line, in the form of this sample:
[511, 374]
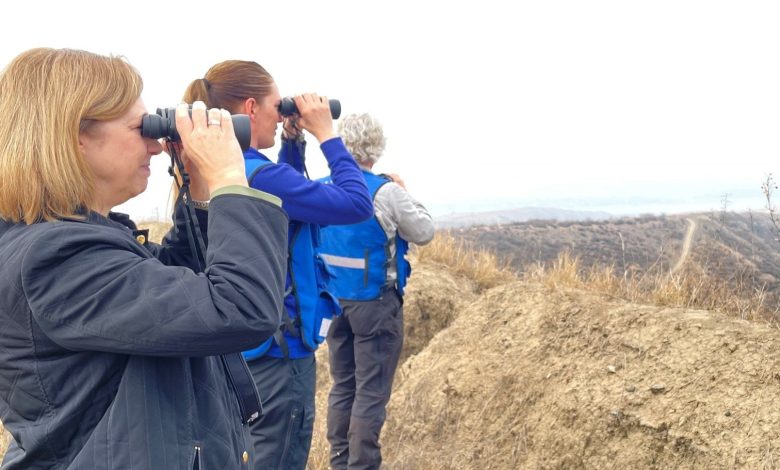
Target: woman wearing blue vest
[369, 274]
[283, 368]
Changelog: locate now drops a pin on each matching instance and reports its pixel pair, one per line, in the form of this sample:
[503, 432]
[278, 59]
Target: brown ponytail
[228, 84]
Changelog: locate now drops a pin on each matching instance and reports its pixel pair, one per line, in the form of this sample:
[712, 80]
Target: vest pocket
[327, 308]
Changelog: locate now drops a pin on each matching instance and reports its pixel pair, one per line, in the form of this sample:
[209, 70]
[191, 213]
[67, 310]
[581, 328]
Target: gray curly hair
[363, 136]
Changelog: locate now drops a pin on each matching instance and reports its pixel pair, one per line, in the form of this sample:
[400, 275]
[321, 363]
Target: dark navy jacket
[108, 348]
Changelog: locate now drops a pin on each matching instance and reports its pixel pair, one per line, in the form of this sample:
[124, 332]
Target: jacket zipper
[198, 463]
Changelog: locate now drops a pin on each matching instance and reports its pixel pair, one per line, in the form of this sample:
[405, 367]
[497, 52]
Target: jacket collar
[253, 153]
[114, 219]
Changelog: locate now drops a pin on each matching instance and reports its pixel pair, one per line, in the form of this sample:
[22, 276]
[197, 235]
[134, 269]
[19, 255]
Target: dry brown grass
[692, 287]
[482, 266]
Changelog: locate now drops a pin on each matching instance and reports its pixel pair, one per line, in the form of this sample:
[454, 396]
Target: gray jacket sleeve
[95, 288]
[396, 209]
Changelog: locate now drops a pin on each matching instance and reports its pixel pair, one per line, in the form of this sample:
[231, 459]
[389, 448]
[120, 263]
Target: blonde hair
[47, 97]
[363, 137]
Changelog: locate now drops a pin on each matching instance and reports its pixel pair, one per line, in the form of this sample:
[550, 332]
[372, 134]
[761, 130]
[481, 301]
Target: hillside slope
[736, 254]
[529, 377]
[640, 243]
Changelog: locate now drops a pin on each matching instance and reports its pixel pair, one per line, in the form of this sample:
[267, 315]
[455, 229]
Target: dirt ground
[522, 376]
[529, 377]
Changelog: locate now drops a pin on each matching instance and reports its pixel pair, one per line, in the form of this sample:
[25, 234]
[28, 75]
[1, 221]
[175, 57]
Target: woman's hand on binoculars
[290, 128]
[211, 145]
[315, 116]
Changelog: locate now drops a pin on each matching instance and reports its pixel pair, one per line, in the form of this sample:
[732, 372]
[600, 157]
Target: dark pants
[364, 344]
[281, 438]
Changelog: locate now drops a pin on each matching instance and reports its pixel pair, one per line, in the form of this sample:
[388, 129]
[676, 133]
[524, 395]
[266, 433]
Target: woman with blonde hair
[114, 351]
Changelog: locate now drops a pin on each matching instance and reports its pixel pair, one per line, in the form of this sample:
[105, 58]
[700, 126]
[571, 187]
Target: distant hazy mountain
[510, 216]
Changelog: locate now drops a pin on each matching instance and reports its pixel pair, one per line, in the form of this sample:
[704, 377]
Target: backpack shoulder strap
[253, 167]
[294, 328]
[383, 180]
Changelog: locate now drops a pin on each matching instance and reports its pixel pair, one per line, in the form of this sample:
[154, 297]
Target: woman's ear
[83, 140]
[249, 107]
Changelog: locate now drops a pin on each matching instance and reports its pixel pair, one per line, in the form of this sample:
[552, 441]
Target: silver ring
[215, 122]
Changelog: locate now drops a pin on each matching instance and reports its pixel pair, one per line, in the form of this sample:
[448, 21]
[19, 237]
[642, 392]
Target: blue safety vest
[358, 255]
[307, 275]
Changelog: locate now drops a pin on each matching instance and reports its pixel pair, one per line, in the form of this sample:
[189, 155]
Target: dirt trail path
[686, 246]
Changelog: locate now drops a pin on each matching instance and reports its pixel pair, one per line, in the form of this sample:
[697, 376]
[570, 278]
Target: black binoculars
[287, 107]
[162, 125]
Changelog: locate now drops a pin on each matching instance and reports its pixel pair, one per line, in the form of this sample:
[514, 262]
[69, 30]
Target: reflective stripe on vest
[344, 262]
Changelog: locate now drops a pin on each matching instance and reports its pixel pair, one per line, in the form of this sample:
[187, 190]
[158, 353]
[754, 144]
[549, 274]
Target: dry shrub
[691, 287]
[563, 271]
[481, 266]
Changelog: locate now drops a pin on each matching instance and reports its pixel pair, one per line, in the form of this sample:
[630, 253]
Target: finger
[227, 122]
[300, 100]
[199, 115]
[183, 122]
[215, 118]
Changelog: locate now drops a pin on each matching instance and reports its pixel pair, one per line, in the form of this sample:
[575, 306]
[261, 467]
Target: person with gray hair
[370, 271]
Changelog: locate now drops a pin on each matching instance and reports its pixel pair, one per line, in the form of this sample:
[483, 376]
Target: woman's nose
[154, 146]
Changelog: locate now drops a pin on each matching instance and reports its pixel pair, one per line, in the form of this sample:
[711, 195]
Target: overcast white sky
[662, 105]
